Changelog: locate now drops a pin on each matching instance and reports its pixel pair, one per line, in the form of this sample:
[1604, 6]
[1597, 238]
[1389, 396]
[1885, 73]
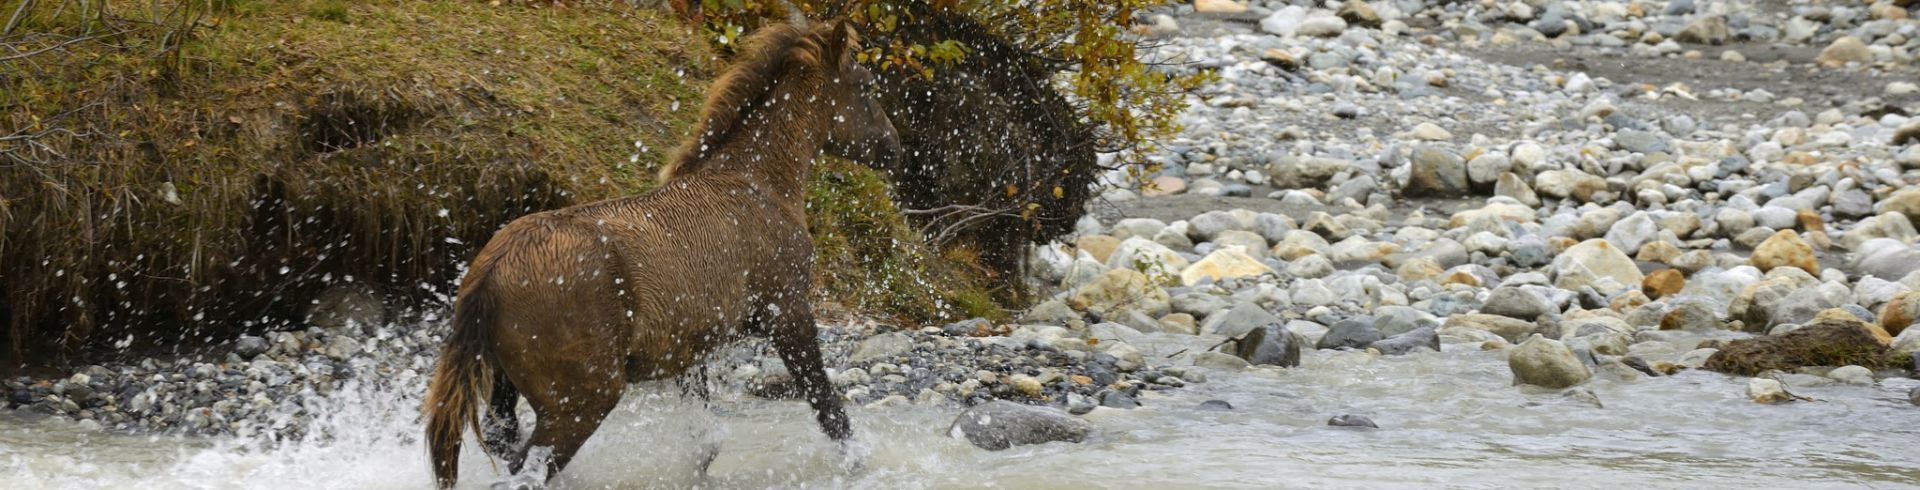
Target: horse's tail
[464, 373]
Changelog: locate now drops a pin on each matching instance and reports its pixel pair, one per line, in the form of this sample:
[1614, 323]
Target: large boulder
[1707, 29]
[1272, 344]
[1830, 340]
[1225, 263]
[1886, 258]
[1512, 329]
[1118, 290]
[1893, 226]
[1205, 226]
[881, 347]
[1900, 312]
[1437, 173]
[1562, 184]
[1145, 255]
[1906, 202]
[1547, 363]
[1499, 211]
[1755, 304]
[1305, 172]
[1408, 342]
[1254, 244]
[1598, 264]
[1513, 302]
[1632, 232]
[1846, 49]
[1351, 333]
[1785, 249]
[1235, 322]
[1002, 424]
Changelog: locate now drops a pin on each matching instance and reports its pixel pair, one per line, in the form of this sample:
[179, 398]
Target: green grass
[362, 121]
[387, 140]
[870, 259]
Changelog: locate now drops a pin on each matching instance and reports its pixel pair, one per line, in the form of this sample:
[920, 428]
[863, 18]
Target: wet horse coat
[568, 307]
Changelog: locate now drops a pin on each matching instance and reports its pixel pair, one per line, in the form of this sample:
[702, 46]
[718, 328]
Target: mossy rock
[1828, 341]
[869, 258]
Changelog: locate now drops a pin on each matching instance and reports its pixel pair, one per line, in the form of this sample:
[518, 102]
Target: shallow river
[1448, 420]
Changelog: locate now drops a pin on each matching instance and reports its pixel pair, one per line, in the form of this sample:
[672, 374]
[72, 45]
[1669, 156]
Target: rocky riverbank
[1594, 190]
[272, 386]
[1400, 176]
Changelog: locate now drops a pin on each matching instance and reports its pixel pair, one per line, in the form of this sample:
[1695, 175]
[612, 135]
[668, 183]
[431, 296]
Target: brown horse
[568, 307]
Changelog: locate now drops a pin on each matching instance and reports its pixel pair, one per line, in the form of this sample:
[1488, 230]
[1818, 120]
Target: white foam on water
[1448, 419]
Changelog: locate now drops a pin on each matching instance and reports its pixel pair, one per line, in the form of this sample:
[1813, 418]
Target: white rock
[1321, 26]
[1596, 263]
[1579, 83]
[1133, 227]
[1431, 132]
[1219, 6]
[1545, 362]
[1908, 342]
[1853, 375]
[1313, 292]
[1632, 232]
[1315, 266]
[1763, 390]
[1226, 263]
[1902, 88]
[1284, 21]
[1147, 256]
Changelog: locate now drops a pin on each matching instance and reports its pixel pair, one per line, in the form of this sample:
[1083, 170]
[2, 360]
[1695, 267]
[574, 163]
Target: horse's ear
[839, 35]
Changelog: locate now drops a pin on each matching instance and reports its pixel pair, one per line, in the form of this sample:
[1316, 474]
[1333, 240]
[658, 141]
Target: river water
[1448, 419]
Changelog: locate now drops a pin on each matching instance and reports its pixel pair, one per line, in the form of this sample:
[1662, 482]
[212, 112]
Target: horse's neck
[774, 148]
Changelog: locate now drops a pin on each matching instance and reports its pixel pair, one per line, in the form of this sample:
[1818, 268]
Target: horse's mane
[767, 57]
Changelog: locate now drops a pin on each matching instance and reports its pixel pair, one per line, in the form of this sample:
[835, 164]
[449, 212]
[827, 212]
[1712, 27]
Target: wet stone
[1117, 399]
[1222, 405]
[1349, 420]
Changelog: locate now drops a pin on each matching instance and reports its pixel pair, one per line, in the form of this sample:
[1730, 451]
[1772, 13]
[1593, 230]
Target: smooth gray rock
[1237, 321]
[1544, 362]
[881, 346]
[1394, 320]
[1513, 302]
[1002, 424]
[1408, 342]
[1215, 405]
[249, 346]
[1351, 333]
[1271, 344]
[1349, 420]
[1112, 398]
[1640, 141]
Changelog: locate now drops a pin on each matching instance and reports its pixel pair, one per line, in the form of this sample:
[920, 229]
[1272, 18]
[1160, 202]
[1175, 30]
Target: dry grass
[175, 171]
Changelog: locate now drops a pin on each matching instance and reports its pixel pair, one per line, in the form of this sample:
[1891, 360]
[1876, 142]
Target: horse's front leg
[798, 342]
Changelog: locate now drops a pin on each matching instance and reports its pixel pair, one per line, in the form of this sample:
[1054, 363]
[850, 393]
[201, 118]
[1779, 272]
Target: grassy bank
[175, 172]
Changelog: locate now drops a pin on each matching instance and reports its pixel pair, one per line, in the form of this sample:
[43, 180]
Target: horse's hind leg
[561, 424]
[693, 384]
[799, 346]
[502, 430]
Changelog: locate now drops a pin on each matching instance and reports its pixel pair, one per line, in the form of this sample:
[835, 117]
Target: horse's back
[690, 263]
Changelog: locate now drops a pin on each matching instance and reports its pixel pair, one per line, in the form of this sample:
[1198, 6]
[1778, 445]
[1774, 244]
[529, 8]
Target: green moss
[870, 259]
[330, 10]
[380, 140]
[287, 145]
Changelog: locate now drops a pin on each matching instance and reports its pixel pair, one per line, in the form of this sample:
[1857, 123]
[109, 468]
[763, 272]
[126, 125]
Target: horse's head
[858, 128]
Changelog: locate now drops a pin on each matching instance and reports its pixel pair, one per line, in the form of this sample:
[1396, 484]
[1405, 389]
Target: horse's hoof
[853, 457]
[533, 474]
[520, 482]
[708, 453]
